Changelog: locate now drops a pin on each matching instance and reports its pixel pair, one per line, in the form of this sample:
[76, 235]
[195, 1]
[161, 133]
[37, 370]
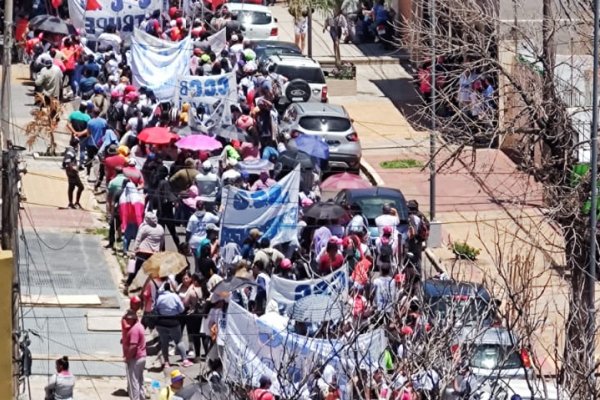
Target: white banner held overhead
[312, 300]
[217, 41]
[273, 211]
[253, 348]
[158, 64]
[93, 16]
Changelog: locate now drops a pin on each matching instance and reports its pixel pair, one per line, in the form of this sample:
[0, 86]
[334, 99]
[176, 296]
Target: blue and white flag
[273, 211]
[312, 300]
[158, 64]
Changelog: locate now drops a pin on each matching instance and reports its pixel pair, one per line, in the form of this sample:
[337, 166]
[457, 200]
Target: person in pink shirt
[264, 182]
[134, 352]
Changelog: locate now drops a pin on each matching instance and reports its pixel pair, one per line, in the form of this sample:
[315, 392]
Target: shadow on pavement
[403, 94]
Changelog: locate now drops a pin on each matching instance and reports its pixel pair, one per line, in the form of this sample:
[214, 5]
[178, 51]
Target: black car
[371, 201]
[267, 48]
[457, 302]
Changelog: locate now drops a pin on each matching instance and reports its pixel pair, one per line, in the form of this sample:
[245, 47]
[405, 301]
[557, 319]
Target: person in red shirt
[116, 158]
[132, 172]
[134, 351]
[72, 52]
[331, 259]
[262, 393]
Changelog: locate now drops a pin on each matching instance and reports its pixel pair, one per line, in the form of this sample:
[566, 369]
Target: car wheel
[298, 90]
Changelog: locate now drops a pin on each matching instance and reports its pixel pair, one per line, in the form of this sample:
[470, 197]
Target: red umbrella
[156, 135]
[344, 181]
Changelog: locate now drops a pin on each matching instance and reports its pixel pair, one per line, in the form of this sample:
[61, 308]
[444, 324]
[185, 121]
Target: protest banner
[93, 16]
[158, 64]
[312, 300]
[215, 94]
[253, 348]
[273, 211]
[204, 89]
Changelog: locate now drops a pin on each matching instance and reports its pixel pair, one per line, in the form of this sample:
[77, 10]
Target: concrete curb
[435, 262]
[361, 60]
[371, 173]
[36, 156]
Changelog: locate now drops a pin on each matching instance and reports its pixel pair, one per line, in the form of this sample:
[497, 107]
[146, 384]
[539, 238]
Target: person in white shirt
[208, 182]
[110, 39]
[231, 174]
[196, 226]
[465, 82]
[385, 291]
[388, 217]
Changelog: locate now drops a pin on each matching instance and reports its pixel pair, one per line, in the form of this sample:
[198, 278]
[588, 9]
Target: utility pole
[590, 277]
[6, 64]
[432, 144]
[9, 241]
[309, 23]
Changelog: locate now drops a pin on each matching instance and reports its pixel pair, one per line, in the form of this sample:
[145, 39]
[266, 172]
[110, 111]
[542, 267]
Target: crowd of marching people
[156, 189]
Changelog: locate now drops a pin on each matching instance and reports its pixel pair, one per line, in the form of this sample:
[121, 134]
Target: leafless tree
[534, 113]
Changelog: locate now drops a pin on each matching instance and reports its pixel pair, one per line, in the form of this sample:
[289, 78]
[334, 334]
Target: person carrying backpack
[386, 248]
[418, 232]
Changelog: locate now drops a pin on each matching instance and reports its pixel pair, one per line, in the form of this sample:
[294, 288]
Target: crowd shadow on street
[403, 94]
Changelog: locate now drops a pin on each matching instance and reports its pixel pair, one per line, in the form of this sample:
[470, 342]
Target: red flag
[92, 5]
[56, 3]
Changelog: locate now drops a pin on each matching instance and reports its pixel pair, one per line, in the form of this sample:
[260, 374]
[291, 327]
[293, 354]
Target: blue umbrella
[313, 146]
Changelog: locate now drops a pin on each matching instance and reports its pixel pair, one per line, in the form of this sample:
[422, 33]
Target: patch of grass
[97, 231]
[463, 251]
[401, 163]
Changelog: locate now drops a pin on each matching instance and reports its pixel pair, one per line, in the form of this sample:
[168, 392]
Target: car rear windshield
[310, 75]
[371, 207]
[325, 124]
[254, 17]
[459, 311]
[495, 356]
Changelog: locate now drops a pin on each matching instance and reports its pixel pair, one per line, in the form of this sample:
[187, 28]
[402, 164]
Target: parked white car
[257, 20]
[301, 68]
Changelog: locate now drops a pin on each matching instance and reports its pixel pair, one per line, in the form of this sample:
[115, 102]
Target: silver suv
[301, 68]
[332, 123]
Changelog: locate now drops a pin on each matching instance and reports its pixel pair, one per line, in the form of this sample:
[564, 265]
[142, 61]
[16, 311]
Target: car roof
[374, 191]
[435, 288]
[324, 109]
[247, 7]
[294, 61]
[277, 44]
[489, 335]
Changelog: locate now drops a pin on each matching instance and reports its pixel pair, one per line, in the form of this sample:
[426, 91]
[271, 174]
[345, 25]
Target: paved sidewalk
[364, 53]
[64, 257]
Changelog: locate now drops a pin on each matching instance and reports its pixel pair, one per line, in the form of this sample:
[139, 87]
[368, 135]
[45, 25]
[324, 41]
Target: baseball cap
[135, 300]
[176, 376]
[286, 264]
[412, 205]
[387, 230]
